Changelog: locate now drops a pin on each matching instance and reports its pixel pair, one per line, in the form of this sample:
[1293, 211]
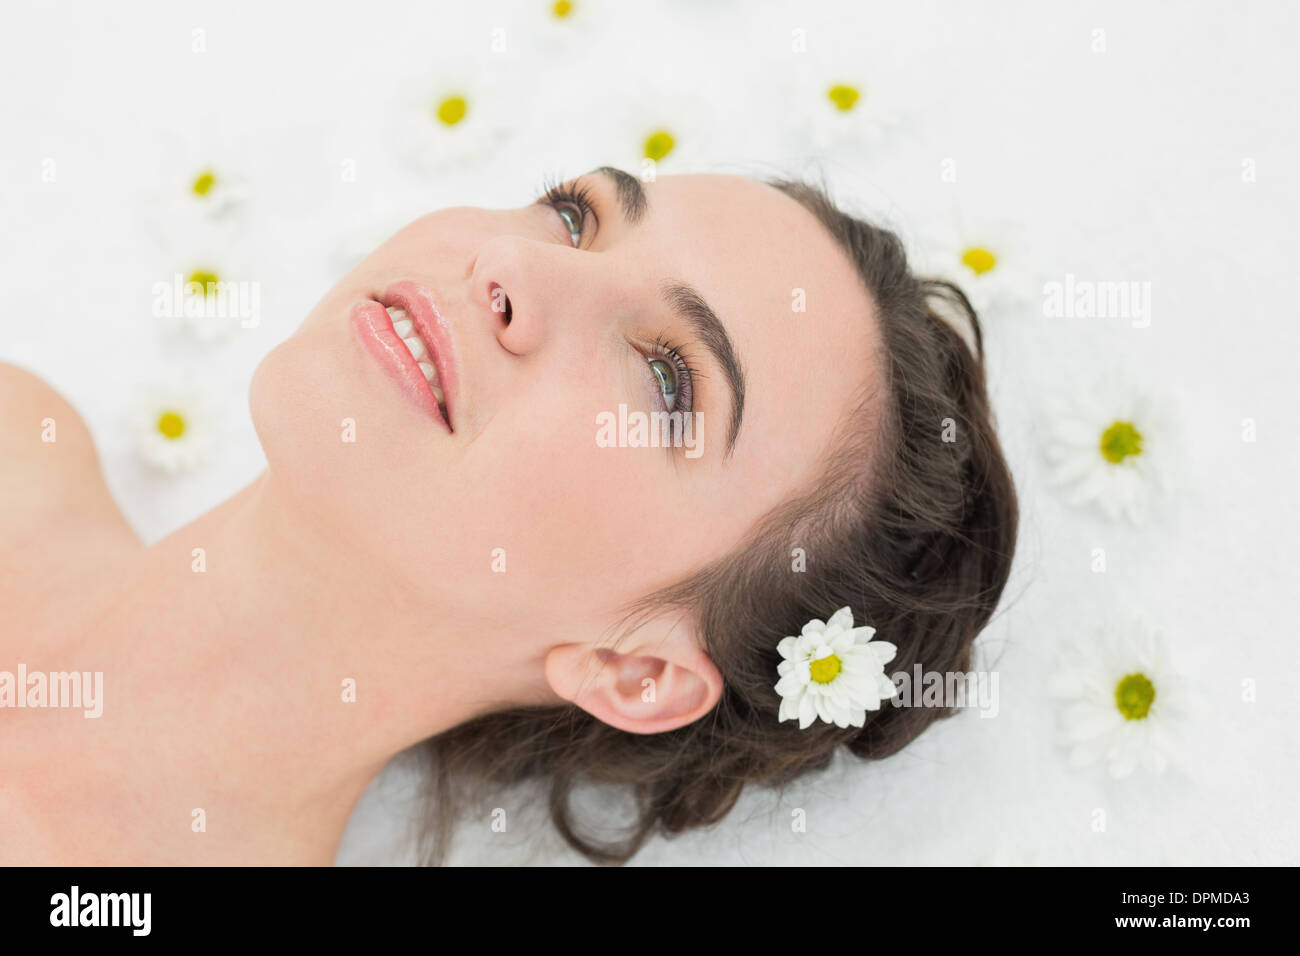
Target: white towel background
[1117, 164]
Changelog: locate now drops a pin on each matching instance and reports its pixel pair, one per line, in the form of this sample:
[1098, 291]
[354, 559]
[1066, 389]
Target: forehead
[803, 324]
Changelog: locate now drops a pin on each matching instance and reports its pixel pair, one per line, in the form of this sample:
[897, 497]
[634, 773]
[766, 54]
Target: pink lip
[374, 327]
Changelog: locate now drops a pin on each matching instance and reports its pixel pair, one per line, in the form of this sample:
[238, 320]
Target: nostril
[500, 301]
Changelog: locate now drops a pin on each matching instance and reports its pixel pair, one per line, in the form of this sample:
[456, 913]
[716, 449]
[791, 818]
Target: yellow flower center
[452, 110]
[844, 97]
[206, 280]
[659, 144]
[824, 670]
[561, 9]
[1120, 441]
[204, 182]
[171, 424]
[979, 260]
[1134, 695]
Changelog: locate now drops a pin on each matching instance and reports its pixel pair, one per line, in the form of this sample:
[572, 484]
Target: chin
[332, 428]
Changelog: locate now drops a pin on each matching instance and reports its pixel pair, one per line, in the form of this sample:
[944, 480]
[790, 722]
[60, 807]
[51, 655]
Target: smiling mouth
[420, 351]
[406, 334]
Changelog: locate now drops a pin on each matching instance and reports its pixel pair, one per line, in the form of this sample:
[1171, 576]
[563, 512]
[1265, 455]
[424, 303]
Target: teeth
[402, 325]
[405, 330]
[431, 376]
[416, 347]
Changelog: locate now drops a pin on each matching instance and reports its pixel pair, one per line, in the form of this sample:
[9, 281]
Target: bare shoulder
[47, 460]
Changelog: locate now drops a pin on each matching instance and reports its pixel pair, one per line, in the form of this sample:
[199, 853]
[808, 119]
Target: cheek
[576, 522]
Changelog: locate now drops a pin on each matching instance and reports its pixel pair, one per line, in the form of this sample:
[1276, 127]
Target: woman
[451, 542]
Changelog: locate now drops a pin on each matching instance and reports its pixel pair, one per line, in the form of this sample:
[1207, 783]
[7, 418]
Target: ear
[658, 679]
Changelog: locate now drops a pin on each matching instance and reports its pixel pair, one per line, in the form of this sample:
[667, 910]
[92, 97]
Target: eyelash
[685, 371]
[556, 195]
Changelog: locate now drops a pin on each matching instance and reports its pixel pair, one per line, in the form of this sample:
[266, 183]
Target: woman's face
[534, 510]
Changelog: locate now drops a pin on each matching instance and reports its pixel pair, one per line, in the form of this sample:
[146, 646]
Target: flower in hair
[834, 671]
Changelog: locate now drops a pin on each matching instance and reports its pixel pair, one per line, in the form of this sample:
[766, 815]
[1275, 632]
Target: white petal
[840, 620]
[789, 709]
[863, 634]
[843, 642]
[814, 628]
[1123, 760]
[807, 711]
[882, 651]
[887, 689]
[789, 684]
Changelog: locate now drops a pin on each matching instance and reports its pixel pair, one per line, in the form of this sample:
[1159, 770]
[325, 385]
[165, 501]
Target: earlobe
[643, 689]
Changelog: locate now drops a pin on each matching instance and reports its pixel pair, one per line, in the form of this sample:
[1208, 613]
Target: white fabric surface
[1123, 164]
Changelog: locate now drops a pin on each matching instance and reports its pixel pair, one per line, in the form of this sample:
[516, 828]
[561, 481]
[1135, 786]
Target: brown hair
[912, 525]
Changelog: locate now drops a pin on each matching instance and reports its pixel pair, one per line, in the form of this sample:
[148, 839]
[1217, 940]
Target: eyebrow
[631, 194]
[692, 309]
[689, 306]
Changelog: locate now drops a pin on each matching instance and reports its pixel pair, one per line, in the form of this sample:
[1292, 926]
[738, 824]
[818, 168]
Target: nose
[524, 285]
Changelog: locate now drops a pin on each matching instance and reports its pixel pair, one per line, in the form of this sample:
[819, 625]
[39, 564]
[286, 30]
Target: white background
[1122, 164]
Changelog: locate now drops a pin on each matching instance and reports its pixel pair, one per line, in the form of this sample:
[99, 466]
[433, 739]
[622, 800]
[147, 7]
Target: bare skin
[372, 561]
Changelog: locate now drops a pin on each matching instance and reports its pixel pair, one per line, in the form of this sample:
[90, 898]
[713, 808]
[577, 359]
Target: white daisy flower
[834, 671]
[215, 189]
[844, 109]
[987, 262]
[1123, 700]
[661, 132]
[177, 426]
[457, 117]
[1108, 447]
[201, 182]
[197, 188]
[209, 290]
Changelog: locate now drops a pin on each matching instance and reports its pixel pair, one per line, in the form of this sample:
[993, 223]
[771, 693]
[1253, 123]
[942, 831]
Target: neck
[264, 679]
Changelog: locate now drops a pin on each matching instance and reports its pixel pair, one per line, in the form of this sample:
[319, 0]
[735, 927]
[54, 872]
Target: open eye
[666, 374]
[573, 219]
[672, 376]
[573, 205]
